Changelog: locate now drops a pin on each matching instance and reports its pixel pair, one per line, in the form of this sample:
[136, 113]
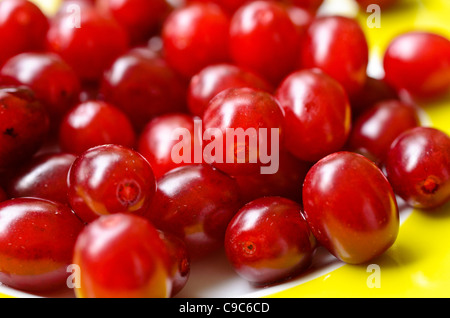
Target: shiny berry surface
[45, 176]
[214, 79]
[110, 179]
[263, 38]
[418, 167]
[350, 207]
[37, 239]
[427, 56]
[95, 123]
[317, 114]
[377, 128]
[24, 125]
[195, 202]
[121, 256]
[240, 111]
[338, 46]
[195, 36]
[23, 28]
[269, 241]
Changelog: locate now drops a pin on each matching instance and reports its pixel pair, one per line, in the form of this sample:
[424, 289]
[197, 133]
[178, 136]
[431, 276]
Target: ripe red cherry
[179, 259]
[23, 27]
[418, 167]
[377, 128]
[301, 18]
[241, 111]
[311, 5]
[52, 80]
[95, 123]
[143, 87]
[157, 141]
[90, 48]
[195, 36]
[24, 125]
[121, 256]
[264, 39]
[317, 114]
[216, 78]
[337, 45]
[140, 18]
[195, 202]
[45, 176]
[426, 56]
[350, 207]
[269, 241]
[37, 239]
[110, 179]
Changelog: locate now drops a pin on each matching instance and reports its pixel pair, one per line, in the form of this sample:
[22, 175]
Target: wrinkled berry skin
[37, 239]
[269, 241]
[24, 126]
[110, 179]
[350, 207]
[418, 167]
[195, 202]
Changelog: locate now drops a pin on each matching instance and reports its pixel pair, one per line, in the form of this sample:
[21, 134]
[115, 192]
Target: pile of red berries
[89, 101]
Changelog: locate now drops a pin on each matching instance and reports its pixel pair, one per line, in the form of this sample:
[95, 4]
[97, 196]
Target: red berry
[264, 39]
[311, 5]
[195, 202]
[23, 27]
[24, 125]
[37, 239]
[89, 48]
[121, 256]
[425, 57]
[52, 80]
[214, 79]
[337, 45]
[418, 167]
[195, 36]
[350, 207]
[243, 121]
[269, 241]
[110, 179]
[45, 176]
[317, 114]
[95, 123]
[143, 87]
[377, 128]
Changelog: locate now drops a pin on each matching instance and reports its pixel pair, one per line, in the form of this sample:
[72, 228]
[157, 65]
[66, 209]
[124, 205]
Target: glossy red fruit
[179, 259]
[37, 239]
[264, 39]
[45, 176]
[90, 47]
[246, 128]
[160, 139]
[424, 55]
[110, 179]
[286, 182]
[418, 167]
[377, 128]
[23, 28]
[268, 241]
[121, 256]
[338, 46]
[24, 125]
[317, 114]
[52, 80]
[95, 123]
[143, 86]
[350, 207]
[301, 18]
[311, 5]
[195, 202]
[216, 78]
[140, 18]
[195, 36]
